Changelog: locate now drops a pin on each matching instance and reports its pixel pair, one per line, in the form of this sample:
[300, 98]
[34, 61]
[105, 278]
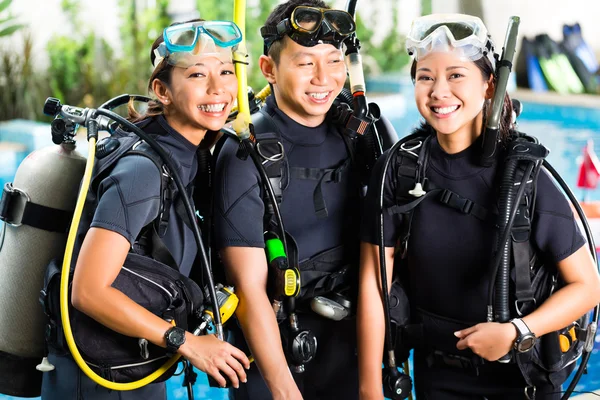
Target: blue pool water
[563, 129]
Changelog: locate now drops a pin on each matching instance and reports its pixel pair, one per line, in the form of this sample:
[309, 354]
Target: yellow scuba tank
[49, 177]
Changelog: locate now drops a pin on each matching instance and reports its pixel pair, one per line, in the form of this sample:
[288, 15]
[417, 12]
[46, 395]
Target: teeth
[319, 96]
[212, 107]
[444, 110]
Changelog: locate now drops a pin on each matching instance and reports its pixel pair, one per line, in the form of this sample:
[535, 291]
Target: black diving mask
[311, 26]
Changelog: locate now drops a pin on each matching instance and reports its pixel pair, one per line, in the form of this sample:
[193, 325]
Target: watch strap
[521, 326]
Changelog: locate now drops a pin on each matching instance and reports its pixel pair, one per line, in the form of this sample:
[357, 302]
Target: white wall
[46, 18]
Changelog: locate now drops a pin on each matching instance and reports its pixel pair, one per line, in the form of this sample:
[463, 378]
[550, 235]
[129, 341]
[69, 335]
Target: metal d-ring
[411, 149]
[273, 158]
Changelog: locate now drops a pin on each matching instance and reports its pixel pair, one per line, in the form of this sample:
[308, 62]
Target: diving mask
[310, 26]
[185, 43]
[458, 33]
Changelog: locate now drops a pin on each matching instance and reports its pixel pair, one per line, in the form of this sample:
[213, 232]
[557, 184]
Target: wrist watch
[175, 337]
[525, 338]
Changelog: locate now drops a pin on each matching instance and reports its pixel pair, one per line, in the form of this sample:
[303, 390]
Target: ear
[267, 67]
[489, 92]
[162, 92]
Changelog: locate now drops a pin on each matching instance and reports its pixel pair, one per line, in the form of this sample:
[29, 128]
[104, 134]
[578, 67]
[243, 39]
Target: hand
[489, 340]
[217, 358]
[371, 396]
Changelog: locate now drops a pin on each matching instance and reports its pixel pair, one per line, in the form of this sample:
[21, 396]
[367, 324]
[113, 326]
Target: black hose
[346, 96]
[123, 99]
[592, 246]
[186, 203]
[391, 360]
[505, 205]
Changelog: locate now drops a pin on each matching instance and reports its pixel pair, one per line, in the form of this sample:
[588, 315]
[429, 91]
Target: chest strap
[322, 175]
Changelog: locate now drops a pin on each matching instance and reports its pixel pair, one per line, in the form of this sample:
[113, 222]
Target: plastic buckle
[524, 301]
[8, 207]
[446, 196]
[467, 207]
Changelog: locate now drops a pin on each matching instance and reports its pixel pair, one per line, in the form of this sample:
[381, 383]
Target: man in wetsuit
[320, 211]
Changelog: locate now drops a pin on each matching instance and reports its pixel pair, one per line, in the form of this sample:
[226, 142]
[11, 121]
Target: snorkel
[503, 69]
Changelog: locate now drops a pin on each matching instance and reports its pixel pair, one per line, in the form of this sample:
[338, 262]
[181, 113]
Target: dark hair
[506, 119]
[162, 72]
[282, 12]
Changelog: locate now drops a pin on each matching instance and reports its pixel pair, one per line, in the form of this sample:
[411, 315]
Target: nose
[216, 85]
[440, 89]
[320, 77]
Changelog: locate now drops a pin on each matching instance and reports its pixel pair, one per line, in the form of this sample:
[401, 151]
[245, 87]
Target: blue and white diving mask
[464, 35]
[185, 43]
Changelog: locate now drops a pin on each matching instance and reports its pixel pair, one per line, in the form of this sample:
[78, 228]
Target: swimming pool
[563, 129]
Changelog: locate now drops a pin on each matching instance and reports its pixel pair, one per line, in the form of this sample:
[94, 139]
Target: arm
[580, 294]
[247, 270]
[98, 265]
[370, 319]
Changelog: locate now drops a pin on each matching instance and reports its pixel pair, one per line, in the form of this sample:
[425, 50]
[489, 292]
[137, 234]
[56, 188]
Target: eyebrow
[447, 69]
[307, 54]
[202, 65]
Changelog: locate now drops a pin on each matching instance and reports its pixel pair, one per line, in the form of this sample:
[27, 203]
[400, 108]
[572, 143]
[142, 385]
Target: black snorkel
[503, 69]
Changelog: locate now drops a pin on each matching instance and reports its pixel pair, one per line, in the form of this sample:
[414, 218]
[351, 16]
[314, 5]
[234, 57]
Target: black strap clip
[12, 205]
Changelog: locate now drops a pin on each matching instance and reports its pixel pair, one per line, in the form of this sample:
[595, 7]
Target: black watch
[175, 337]
[525, 338]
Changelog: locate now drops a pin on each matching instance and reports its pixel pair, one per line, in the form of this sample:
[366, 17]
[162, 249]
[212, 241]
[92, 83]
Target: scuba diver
[194, 85]
[436, 210]
[308, 163]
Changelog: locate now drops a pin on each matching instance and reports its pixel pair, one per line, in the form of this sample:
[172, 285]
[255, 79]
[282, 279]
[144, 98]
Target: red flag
[589, 171]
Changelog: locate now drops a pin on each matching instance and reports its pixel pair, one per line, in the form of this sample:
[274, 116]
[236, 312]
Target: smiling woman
[130, 214]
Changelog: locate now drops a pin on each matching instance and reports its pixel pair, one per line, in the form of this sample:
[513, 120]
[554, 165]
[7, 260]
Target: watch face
[526, 344]
[176, 337]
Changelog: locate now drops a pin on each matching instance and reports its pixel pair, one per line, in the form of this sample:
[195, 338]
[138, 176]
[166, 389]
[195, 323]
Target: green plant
[8, 26]
[22, 90]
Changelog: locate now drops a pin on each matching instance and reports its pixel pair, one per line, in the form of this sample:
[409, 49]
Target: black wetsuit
[128, 200]
[448, 264]
[239, 212]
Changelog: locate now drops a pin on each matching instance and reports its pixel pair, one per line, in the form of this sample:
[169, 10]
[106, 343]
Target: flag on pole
[589, 170]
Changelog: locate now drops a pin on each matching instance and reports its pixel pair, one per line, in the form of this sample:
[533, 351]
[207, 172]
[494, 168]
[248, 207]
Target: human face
[200, 97]
[450, 93]
[307, 80]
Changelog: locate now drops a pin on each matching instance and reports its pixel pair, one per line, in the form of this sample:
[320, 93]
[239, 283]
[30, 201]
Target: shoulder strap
[525, 150]
[270, 148]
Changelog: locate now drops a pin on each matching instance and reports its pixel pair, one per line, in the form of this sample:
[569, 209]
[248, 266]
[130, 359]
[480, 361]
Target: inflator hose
[64, 281]
[592, 246]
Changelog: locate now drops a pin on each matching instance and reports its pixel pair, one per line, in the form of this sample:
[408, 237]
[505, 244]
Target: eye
[227, 72]
[424, 78]
[306, 64]
[196, 75]
[456, 75]
[335, 61]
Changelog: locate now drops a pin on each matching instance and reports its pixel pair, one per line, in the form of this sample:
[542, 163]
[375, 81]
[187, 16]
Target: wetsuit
[239, 212]
[128, 200]
[448, 265]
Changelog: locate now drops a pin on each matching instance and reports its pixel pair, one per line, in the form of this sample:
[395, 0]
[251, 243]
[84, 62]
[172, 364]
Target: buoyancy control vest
[334, 269]
[528, 280]
[149, 276]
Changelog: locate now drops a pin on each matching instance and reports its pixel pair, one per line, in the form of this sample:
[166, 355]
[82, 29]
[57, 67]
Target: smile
[444, 110]
[319, 95]
[212, 108]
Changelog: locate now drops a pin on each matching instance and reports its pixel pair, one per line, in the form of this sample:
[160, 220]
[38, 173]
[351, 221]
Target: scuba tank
[45, 185]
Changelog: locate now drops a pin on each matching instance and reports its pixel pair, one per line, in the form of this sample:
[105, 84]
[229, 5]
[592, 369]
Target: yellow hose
[264, 93]
[64, 292]
[241, 124]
